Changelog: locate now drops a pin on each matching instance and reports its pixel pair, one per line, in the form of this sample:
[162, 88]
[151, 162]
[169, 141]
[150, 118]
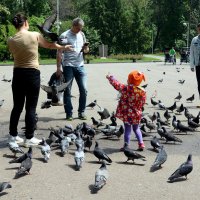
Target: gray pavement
[57, 179]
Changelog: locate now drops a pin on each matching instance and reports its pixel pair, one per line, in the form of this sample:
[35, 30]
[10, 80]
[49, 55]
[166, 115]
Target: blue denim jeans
[80, 75]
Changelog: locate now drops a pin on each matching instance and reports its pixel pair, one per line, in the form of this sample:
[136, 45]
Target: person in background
[195, 57]
[172, 54]
[73, 67]
[129, 108]
[26, 77]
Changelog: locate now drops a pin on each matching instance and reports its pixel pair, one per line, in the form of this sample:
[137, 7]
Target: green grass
[97, 60]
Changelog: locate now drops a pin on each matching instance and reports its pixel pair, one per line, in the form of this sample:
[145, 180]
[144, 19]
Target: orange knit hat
[135, 78]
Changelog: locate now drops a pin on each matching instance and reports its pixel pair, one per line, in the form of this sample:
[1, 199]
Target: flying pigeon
[101, 176]
[183, 170]
[160, 158]
[104, 113]
[79, 157]
[45, 150]
[100, 154]
[175, 123]
[92, 104]
[4, 185]
[132, 155]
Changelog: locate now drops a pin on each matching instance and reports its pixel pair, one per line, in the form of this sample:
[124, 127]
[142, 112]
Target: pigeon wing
[48, 23]
[47, 89]
[62, 87]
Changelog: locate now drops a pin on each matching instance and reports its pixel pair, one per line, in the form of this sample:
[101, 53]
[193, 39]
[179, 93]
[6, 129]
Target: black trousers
[198, 77]
[25, 88]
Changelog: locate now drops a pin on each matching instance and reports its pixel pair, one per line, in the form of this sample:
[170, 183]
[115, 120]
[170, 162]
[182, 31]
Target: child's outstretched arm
[116, 84]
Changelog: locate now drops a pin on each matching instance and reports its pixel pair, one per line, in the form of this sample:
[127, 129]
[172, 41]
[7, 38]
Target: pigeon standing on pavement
[45, 150]
[178, 97]
[191, 99]
[101, 176]
[4, 185]
[160, 158]
[183, 170]
[170, 136]
[92, 104]
[180, 109]
[155, 143]
[100, 154]
[79, 158]
[25, 167]
[14, 147]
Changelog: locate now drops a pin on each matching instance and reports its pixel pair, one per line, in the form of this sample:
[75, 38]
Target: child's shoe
[141, 146]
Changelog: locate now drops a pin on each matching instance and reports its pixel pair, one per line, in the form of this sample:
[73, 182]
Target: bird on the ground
[152, 117]
[5, 79]
[92, 104]
[196, 119]
[161, 105]
[183, 170]
[149, 125]
[119, 131]
[170, 136]
[180, 109]
[173, 107]
[160, 158]
[79, 140]
[113, 120]
[132, 155]
[178, 97]
[1, 102]
[160, 130]
[4, 185]
[64, 145]
[183, 128]
[23, 157]
[101, 176]
[25, 167]
[155, 143]
[164, 73]
[160, 80]
[46, 104]
[153, 102]
[45, 150]
[79, 158]
[96, 122]
[167, 115]
[88, 142]
[175, 123]
[191, 99]
[162, 122]
[192, 124]
[188, 114]
[100, 154]
[144, 86]
[14, 147]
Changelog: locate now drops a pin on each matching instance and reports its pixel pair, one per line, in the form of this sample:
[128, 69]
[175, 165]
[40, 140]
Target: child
[129, 108]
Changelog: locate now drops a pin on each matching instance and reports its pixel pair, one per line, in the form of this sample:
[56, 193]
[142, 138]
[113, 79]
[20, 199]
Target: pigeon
[25, 167]
[160, 158]
[154, 103]
[191, 99]
[45, 150]
[96, 123]
[54, 90]
[180, 109]
[14, 147]
[113, 120]
[100, 154]
[175, 123]
[193, 124]
[183, 170]
[181, 81]
[46, 104]
[150, 126]
[51, 139]
[1, 102]
[196, 119]
[104, 113]
[170, 136]
[23, 157]
[178, 97]
[160, 130]
[172, 108]
[132, 155]
[5, 79]
[4, 185]
[79, 158]
[164, 73]
[46, 27]
[160, 80]
[88, 142]
[119, 132]
[188, 114]
[155, 143]
[161, 105]
[152, 117]
[183, 128]
[101, 176]
[79, 141]
[92, 104]
[64, 145]
[144, 86]
[167, 115]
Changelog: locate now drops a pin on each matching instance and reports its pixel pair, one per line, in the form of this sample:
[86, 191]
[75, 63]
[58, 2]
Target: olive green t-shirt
[24, 48]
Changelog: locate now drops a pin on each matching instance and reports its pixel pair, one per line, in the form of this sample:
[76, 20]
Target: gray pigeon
[100, 154]
[170, 136]
[79, 158]
[178, 97]
[160, 158]
[183, 128]
[1, 102]
[104, 113]
[183, 170]
[155, 143]
[191, 99]
[14, 147]
[160, 130]
[174, 123]
[23, 157]
[45, 150]
[64, 145]
[79, 141]
[92, 104]
[132, 155]
[25, 167]
[101, 176]
[4, 185]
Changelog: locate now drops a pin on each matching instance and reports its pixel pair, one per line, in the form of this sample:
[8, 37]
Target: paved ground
[58, 179]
